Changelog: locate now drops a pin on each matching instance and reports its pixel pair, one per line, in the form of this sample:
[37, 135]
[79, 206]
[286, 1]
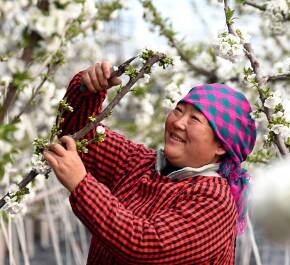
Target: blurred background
[45, 42]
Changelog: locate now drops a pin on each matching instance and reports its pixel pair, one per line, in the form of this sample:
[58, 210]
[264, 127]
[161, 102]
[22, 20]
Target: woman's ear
[220, 150]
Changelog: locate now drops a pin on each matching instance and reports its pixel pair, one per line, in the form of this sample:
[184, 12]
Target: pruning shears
[121, 69]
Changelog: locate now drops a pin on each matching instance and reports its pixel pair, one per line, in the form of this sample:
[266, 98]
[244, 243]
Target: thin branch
[229, 24]
[263, 7]
[33, 96]
[8, 101]
[260, 7]
[278, 77]
[27, 58]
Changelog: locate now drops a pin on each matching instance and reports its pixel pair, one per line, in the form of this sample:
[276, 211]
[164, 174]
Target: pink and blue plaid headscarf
[228, 112]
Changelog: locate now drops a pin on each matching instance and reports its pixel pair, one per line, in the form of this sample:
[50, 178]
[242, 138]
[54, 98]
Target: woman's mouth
[176, 138]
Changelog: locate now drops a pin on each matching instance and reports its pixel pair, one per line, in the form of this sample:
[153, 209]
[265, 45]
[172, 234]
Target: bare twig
[33, 96]
[260, 7]
[26, 57]
[278, 77]
[262, 81]
[263, 7]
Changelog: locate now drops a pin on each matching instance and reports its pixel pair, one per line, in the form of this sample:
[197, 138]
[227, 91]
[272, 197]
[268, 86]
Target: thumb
[114, 81]
[69, 142]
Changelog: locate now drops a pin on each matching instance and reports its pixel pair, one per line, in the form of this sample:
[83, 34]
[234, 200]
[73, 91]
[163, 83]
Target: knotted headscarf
[228, 112]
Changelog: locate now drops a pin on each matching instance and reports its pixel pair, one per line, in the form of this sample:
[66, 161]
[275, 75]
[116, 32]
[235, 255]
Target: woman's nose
[180, 122]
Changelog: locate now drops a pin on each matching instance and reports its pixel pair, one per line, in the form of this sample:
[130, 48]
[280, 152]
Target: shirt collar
[186, 172]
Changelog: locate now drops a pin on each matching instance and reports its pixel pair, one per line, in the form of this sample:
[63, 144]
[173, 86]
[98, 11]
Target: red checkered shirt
[137, 216]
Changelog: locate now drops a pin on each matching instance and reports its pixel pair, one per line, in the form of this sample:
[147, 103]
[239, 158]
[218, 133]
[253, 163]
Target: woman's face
[189, 139]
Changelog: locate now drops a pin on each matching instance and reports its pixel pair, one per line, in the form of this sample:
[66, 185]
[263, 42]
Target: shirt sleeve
[195, 232]
[108, 161]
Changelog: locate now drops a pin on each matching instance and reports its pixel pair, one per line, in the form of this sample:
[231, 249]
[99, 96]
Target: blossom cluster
[277, 11]
[13, 205]
[229, 46]
[39, 164]
[280, 120]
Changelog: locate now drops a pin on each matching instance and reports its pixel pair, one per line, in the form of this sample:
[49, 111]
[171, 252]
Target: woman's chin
[172, 156]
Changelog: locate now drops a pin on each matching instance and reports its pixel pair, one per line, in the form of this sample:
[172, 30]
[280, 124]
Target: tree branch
[81, 133]
[26, 56]
[262, 81]
[263, 8]
[278, 77]
[33, 96]
[260, 7]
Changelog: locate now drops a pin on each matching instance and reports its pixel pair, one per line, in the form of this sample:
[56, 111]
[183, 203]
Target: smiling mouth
[176, 138]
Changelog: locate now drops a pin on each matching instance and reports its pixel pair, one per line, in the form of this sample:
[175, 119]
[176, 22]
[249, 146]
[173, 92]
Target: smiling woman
[189, 139]
[181, 205]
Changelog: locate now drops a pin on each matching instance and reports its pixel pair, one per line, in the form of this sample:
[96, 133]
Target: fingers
[57, 149]
[114, 81]
[101, 75]
[86, 80]
[107, 68]
[69, 142]
[49, 157]
[97, 77]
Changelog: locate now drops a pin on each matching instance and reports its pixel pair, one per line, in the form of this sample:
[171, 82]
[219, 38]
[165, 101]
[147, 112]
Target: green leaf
[230, 15]
[2, 171]
[6, 131]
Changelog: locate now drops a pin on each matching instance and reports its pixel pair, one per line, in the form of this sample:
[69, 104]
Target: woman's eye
[195, 118]
[178, 110]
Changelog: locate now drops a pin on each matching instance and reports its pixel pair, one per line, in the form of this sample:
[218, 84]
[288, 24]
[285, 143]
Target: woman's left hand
[66, 162]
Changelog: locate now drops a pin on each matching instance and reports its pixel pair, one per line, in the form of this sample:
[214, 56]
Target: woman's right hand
[97, 77]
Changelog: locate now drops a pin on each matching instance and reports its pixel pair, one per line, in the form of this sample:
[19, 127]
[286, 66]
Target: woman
[181, 205]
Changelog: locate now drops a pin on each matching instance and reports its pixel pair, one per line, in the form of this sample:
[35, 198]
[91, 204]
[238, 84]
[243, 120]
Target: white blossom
[11, 206]
[5, 147]
[176, 60]
[277, 128]
[229, 46]
[282, 66]
[114, 14]
[252, 115]
[145, 114]
[278, 114]
[146, 78]
[272, 101]
[15, 65]
[39, 164]
[205, 60]
[277, 8]
[100, 130]
[90, 8]
[13, 188]
[276, 11]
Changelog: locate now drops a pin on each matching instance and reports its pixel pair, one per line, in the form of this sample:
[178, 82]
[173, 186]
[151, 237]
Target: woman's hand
[97, 77]
[66, 162]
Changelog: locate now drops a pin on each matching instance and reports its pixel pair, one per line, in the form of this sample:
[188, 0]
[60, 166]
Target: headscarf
[228, 112]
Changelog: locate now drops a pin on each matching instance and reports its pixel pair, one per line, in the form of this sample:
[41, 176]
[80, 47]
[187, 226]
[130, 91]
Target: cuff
[80, 189]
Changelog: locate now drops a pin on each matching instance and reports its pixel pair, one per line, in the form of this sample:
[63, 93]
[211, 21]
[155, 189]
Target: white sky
[181, 14]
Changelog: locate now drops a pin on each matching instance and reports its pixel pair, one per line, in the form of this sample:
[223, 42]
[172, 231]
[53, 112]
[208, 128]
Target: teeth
[177, 138]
